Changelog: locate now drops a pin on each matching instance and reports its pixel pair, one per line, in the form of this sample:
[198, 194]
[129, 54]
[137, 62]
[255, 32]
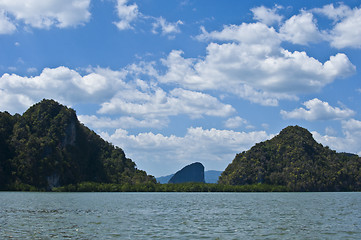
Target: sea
[39, 215]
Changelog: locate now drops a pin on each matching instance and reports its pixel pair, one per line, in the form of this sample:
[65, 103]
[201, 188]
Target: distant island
[210, 176]
[191, 173]
[48, 149]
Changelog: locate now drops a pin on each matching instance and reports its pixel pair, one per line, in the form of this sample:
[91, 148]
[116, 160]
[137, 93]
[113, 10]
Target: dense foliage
[48, 147]
[295, 160]
[179, 187]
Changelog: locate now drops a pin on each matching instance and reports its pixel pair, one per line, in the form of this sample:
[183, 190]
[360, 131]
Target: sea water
[25, 215]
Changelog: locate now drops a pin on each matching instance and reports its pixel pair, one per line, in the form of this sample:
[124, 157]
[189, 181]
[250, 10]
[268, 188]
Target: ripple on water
[180, 215]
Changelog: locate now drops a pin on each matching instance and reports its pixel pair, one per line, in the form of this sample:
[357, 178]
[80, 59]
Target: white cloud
[214, 148]
[347, 24]
[254, 66]
[301, 29]
[333, 13]
[127, 14]
[48, 13]
[50, 80]
[347, 33]
[266, 15]
[6, 26]
[14, 102]
[255, 34]
[91, 83]
[349, 142]
[96, 122]
[166, 27]
[144, 103]
[65, 85]
[158, 103]
[318, 110]
[235, 122]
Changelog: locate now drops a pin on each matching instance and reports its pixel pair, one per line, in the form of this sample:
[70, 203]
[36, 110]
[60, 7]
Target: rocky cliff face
[191, 173]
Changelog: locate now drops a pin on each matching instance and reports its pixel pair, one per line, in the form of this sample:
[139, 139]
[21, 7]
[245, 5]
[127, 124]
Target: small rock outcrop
[191, 173]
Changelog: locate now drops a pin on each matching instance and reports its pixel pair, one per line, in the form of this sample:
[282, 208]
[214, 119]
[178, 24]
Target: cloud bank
[214, 147]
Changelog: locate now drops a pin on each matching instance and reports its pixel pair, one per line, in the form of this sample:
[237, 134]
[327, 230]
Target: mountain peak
[295, 131]
[47, 107]
[295, 160]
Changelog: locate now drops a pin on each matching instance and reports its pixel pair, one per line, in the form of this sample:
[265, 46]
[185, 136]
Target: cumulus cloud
[166, 27]
[349, 142]
[253, 66]
[301, 29]
[347, 33]
[48, 13]
[255, 34]
[127, 14]
[142, 103]
[347, 24]
[214, 148]
[318, 110]
[50, 83]
[65, 85]
[14, 102]
[158, 103]
[6, 25]
[266, 15]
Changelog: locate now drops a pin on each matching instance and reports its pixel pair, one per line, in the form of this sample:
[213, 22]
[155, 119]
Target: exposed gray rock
[53, 181]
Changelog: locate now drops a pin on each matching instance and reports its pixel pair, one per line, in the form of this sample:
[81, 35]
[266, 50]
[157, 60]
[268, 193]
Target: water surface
[180, 215]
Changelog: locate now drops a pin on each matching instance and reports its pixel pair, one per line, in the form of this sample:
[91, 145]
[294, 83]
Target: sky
[176, 82]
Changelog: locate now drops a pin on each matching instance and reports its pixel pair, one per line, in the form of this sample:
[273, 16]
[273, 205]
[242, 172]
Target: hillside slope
[48, 147]
[295, 160]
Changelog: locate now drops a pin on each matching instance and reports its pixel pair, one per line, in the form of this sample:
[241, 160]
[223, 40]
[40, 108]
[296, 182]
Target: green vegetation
[293, 159]
[179, 187]
[48, 147]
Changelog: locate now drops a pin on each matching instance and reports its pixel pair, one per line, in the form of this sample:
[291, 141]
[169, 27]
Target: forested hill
[48, 147]
[295, 160]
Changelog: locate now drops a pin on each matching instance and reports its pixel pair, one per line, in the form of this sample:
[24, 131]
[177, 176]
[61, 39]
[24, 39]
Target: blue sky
[174, 82]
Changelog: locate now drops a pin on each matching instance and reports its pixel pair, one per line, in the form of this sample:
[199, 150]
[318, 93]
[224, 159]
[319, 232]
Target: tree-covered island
[48, 149]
